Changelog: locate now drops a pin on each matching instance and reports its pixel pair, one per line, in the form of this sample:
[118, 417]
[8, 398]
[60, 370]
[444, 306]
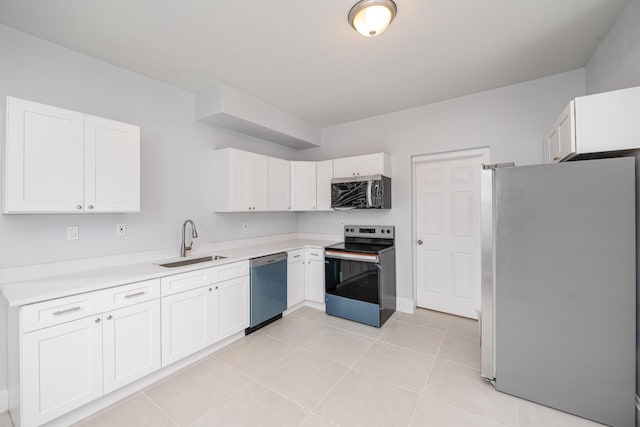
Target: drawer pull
[296, 256]
[137, 294]
[315, 254]
[67, 311]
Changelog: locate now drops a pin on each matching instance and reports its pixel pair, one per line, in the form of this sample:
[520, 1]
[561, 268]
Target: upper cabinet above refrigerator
[592, 124]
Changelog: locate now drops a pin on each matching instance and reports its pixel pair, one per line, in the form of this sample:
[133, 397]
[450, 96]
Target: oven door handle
[351, 256]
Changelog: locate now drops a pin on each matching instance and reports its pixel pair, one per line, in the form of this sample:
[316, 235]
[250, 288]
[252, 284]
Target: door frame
[483, 152]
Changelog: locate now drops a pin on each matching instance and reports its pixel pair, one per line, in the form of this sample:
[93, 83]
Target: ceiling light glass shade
[371, 17]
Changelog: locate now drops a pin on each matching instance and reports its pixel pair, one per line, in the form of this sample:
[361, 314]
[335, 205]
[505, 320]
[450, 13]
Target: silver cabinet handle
[137, 294]
[97, 320]
[109, 317]
[90, 206]
[296, 256]
[67, 311]
[420, 242]
[312, 254]
[79, 207]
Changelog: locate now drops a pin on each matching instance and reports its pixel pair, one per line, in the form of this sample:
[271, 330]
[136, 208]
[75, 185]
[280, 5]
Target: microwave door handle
[369, 202]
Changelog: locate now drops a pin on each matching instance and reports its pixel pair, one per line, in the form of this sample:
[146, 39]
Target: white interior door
[448, 233]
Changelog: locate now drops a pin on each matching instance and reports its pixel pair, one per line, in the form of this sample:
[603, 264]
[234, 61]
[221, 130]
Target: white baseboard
[4, 400]
[405, 305]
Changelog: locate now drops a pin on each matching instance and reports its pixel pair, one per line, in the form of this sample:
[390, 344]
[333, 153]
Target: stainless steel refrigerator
[559, 285]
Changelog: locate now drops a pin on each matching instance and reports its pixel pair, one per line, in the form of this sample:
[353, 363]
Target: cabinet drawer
[295, 256]
[315, 254]
[61, 310]
[230, 271]
[134, 293]
[185, 281]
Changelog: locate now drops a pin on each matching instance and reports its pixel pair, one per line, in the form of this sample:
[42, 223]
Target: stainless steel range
[360, 275]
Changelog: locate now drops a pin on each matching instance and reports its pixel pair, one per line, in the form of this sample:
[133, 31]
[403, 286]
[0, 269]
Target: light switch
[72, 232]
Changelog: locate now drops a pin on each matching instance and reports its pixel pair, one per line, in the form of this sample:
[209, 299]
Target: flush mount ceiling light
[371, 17]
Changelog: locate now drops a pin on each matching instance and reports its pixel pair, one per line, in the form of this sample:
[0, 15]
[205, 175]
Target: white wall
[615, 64]
[511, 121]
[175, 177]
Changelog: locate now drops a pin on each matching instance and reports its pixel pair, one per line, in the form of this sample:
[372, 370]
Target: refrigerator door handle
[487, 263]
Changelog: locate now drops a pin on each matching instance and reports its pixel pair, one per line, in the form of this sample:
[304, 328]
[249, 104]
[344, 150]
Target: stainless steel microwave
[361, 192]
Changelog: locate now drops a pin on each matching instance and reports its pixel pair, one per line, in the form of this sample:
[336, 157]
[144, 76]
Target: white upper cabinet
[303, 186]
[369, 164]
[112, 165]
[324, 174]
[595, 123]
[240, 181]
[560, 142]
[279, 196]
[59, 161]
[44, 169]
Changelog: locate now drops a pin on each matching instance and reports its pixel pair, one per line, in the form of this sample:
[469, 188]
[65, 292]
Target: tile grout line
[162, 411]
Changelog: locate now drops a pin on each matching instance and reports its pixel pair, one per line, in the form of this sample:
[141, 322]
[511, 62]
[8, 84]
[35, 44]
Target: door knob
[420, 242]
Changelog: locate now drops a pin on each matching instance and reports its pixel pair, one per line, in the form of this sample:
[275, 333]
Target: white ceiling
[303, 57]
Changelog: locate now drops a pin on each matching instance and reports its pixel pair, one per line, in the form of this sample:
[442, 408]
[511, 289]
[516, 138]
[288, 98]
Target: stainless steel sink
[190, 261]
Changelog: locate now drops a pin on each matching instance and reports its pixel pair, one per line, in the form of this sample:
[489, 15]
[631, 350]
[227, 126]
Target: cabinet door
[566, 132]
[553, 144]
[295, 282]
[62, 369]
[240, 180]
[314, 280]
[233, 306]
[258, 182]
[112, 166]
[188, 323]
[303, 186]
[344, 168]
[561, 141]
[44, 158]
[131, 343]
[371, 164]
[249, 181]
[279, 183]
[324, 174]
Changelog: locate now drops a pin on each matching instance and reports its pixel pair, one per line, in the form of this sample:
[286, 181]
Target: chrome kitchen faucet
[194, 234]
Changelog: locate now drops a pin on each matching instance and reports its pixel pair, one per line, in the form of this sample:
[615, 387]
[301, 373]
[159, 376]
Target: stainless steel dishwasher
[268, 290]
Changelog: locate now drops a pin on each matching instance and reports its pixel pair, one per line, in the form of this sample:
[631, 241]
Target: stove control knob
[388, 231]
[382, 231]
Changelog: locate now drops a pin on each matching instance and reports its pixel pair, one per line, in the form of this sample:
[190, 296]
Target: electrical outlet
[342, 222]
[121, 229]
[245, 226]
[72, 232]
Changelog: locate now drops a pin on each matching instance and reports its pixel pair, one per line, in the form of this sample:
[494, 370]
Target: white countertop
[45, 288]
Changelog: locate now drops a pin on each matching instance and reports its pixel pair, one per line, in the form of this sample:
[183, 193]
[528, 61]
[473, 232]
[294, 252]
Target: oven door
[353, 275]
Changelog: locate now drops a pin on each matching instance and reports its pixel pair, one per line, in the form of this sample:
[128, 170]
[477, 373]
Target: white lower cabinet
[314, 275]
[188, 323]
[233, 306]
[61, 369]
[295, 278]
[131, 344]
[305, 276]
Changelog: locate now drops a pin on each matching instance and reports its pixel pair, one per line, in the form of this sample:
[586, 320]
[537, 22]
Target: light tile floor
[310, 369]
